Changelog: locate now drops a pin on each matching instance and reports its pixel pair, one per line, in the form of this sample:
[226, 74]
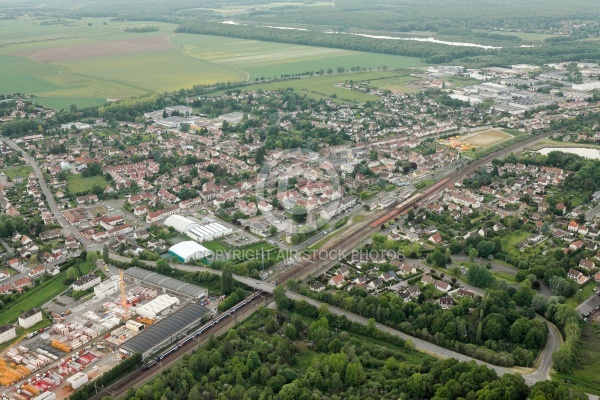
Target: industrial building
[134, 326]
[180, 223]
[189, 250]
[207, 230]
[107, 288]
[164, 284]
[159, 307]
[78, 380]
[30, 318]
[165, 331]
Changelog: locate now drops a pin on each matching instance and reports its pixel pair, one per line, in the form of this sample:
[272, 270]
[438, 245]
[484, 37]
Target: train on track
[199, 332]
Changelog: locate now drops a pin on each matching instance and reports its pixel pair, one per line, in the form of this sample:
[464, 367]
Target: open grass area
[90, 60]
[271, 60]
[486, 138]
[20, 331]
[216, 245]
[34, 297]
[510, 279]
[585, 375]
[79, 184]
[587, 289]
[22, 171]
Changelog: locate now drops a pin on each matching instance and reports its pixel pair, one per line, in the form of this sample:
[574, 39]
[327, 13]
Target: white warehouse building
[160, 306]
[108, 287]
[189, 250]
[208, 230]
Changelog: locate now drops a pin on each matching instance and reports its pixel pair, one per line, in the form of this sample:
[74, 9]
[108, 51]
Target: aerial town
[103, 221]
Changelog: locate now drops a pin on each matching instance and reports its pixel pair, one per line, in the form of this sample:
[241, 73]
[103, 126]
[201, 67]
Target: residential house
[587, 264]
[375, 284]
[436, 239]
[446, 302]
[317, 287]
[336, 280]
[577, 276]
[442, 286]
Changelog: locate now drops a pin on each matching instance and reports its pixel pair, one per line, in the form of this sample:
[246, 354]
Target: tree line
[300, 352]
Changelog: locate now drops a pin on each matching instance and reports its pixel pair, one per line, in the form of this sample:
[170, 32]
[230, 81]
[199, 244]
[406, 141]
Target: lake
[580, 151]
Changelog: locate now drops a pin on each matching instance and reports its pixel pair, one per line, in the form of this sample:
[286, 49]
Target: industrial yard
[136, 311]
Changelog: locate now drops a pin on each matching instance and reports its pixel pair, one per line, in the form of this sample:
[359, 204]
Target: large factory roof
[162, 281]
[180, 223]
[149, 339]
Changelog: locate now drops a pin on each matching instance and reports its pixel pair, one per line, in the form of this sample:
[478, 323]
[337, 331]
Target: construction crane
[123, 297]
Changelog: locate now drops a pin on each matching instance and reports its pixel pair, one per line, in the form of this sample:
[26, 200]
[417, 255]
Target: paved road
[500, 267]
[44, 186]
[545, 358]
[542, 373]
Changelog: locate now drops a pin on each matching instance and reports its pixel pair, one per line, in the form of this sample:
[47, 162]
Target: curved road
[542, 373]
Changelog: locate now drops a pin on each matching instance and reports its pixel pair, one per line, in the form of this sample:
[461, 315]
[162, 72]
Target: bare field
[486, 138]
[102, 49]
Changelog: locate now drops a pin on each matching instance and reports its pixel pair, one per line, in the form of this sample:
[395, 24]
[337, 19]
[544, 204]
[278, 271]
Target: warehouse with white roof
[180, 223]
[207, 230]
[159, 307]
[189, 250]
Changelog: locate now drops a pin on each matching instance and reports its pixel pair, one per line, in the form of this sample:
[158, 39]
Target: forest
[304, 353]
[429, 52]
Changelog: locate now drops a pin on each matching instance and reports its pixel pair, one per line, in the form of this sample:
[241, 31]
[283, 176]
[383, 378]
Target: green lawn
[325, 87]
[586, 290]
[512, 239]
[585, 375]
[79, 184]
[424, 183]
[34, 297]
[20, 331]
[23, 171]
[216, 245]
[510, 279]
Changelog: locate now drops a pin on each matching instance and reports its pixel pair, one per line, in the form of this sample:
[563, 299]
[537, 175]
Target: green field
[34, 297]
[270, 60]
[510, 279]
[23, 171]
[325, 87]
[585, 375]
[86, 65]
[79, 184]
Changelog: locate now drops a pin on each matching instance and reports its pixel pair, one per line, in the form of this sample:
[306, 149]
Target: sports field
[87, 61]
[486, 138]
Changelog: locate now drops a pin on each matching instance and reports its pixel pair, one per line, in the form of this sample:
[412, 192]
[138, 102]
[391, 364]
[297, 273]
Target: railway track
[142, 376]
[354, 235]
[369, 226]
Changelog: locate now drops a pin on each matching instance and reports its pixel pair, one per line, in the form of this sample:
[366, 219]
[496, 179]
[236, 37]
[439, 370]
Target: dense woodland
[491, 329]
[428, 52]
[305, 353]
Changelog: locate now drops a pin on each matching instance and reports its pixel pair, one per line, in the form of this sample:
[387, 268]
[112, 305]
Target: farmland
[325, 87]
[91, 60]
